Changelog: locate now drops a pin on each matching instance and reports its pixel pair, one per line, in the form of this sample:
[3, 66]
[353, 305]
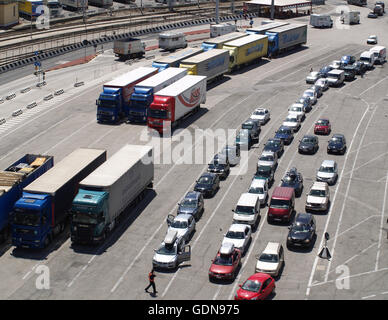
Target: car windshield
[244, 210]
[336, 139]
[247, 126]
[284, 130]
[158, 114]
[308, 140]
[291, 120]
[300, 228]
[235, 235]
[297, 109]
[322, 122]
[279, 203]
[288, 179]
[317, 193]
[223, 260]
[266, 158]
[263, 171]
[364, 59]
[259, 113]
[83, 217]
[217, 164]
[326, 169]
[269, 258]
[257, 190]
[205, 180]
[169, 250]
[179, 224]
[189, 203]
[251, 285]
[309, 93]
[272, 144]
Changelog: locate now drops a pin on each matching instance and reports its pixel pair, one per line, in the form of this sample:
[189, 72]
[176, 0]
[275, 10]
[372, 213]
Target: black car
[285, 134]
[192, 204]
[208, 184]
[324, 71]
[337, 144]
[350, 73]
[307, 103]
[372, 15]
[293, 179]
[302, 231]
[275, 145]
[309, 144]
[359, 67]
[267, 173]
[220, 166]
[253, 127]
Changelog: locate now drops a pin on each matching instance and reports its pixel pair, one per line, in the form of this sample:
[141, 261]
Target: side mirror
[240, 285]
[233, 210]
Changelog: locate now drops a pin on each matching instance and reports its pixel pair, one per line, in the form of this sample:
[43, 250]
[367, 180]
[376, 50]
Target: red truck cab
[282, 204]
[161, 113]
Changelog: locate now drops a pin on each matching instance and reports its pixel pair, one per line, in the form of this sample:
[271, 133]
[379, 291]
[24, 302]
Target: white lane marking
[332, 204]
[381, 224]
[367, 297]
[373, 85]
[366, 163]
[357, 224]
[347, 191]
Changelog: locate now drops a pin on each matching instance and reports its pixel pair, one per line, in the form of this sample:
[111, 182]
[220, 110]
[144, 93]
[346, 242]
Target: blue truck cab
[141, 98]
[89, 213]
[208, 46]
[110, 105]
[160, 65]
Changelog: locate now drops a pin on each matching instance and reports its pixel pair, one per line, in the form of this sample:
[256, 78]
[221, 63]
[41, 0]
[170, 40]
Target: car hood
[221, 269]
[313, 199]
[335, 145]
[203, 186]
[164, 258]
[244, 217]
[187, 210]
[245, 294]
[298, 235]
[306, 145]
[267, 266]
[325, 174]
[290, 124]
[318, 126]
[265, 163]
[238, 243]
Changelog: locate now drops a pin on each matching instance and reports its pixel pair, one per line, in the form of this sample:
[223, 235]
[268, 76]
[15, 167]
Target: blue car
[347, 60]
[285, 134]
[324, 71]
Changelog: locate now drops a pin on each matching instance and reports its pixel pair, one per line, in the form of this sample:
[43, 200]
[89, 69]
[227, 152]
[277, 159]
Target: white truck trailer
[109, 190]
[220, 29]
[213, 64]
[176, 102]
[218, 42]
[321, 20]
[128, 48]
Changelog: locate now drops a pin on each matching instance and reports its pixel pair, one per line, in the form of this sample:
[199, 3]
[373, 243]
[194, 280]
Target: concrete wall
[9, 13]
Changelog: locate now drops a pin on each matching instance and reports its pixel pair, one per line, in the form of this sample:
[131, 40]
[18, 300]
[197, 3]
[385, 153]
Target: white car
[183, 224]
[268, 158]
[260, 188]
[271, 260]
[298, 109]
[328, 172]
[372, 39]
[335, 64]
[261, 114]
[292, 121]
[318, 198]
[323, 83]
[312, 77]
[239, 235]
[232, 153]
[312, 95]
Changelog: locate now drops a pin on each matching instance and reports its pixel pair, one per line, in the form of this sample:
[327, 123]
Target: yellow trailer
[246, 50]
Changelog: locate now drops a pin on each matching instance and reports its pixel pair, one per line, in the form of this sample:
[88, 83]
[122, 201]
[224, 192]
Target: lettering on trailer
[258, 47]
[193, 100]
[216, 63]
[289, 38]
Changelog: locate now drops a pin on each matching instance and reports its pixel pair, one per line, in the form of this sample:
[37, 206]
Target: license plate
[297, 244]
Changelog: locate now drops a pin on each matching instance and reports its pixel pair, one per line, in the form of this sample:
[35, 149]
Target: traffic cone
[325, 254]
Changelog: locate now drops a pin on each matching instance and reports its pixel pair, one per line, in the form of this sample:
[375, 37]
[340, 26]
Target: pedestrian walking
[151, 279]
[311, 69]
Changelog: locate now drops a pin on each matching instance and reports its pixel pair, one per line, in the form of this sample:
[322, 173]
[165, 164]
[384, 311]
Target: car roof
[182, 217]
[303, 218]
[336, 71]
[208, 174]
[226, 248]
[238, 227]
[284, 193]
[247, 199]
[272, 248]
[258, 183]
[338, 135]
[268, 153]
[328, 163]
[318, 185]
[309, 136]
[192, 195]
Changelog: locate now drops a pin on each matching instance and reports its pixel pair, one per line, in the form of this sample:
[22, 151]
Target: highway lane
[92, 280]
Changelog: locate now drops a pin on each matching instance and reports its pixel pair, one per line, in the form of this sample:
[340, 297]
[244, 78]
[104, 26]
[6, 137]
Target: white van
[336, 77]
[321, 21]
[271, 260]
[217, 30]
[380, 54]
[248, 209]
[368, 59]
[172, 40]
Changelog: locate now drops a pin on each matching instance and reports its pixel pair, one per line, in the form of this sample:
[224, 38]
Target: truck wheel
[47, 241]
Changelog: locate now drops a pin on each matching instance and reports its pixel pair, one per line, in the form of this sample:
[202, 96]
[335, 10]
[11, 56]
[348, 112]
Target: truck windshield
[278, 203]
[26, 217]
[138, 104]
[107, 104]
[257, 190]
[364, 59]
[245, 210]
[158, 114]
[83, 217]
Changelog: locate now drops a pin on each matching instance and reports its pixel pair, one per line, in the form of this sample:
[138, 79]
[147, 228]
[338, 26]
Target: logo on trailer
[192, 100]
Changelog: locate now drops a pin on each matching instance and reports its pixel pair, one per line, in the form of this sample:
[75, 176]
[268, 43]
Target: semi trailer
[173, 60]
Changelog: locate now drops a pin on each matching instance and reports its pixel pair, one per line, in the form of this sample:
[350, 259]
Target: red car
[257, 287]
[322, 126]
[226, 263]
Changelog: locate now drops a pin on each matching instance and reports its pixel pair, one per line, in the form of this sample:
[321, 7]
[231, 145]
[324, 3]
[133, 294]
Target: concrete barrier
[59, 92]
[78, 84]
[49, 97]
[2, 121]
[10, 96]
[17, 113]
[25, 90]
[32, 105]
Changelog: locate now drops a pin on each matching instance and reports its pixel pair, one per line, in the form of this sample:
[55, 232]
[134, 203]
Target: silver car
[312, 95]
[268, 158]
[261, 114]
[318, 90]
[312, 77]
[328, 172]
[183, 224]
[323, 83]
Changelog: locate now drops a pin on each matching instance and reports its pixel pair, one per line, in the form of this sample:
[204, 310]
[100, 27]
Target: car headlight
[306, 241]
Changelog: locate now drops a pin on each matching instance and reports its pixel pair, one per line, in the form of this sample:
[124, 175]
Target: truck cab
[141, 98]
[89, 216]
[110, 105]
[368, 59]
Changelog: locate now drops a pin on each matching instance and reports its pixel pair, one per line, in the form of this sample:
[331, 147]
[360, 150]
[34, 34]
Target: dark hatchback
[265, 172]
[350, 72]
[192, 204]
[359, 67]
[208, 184]
[220, 166]
[274, 145]
[302, 231]
[309, 144]
[293, 179]
[324, 71]
[285, 134]
[337, 144]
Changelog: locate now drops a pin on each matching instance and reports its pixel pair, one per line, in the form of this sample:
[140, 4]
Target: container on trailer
[174, 59]
[218, 42]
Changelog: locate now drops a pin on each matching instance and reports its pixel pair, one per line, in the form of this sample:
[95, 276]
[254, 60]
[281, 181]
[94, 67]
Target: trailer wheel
[47, 241]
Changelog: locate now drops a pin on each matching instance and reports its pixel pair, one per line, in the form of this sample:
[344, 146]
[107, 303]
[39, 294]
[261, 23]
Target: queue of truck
[38, 200]
[130, 96]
